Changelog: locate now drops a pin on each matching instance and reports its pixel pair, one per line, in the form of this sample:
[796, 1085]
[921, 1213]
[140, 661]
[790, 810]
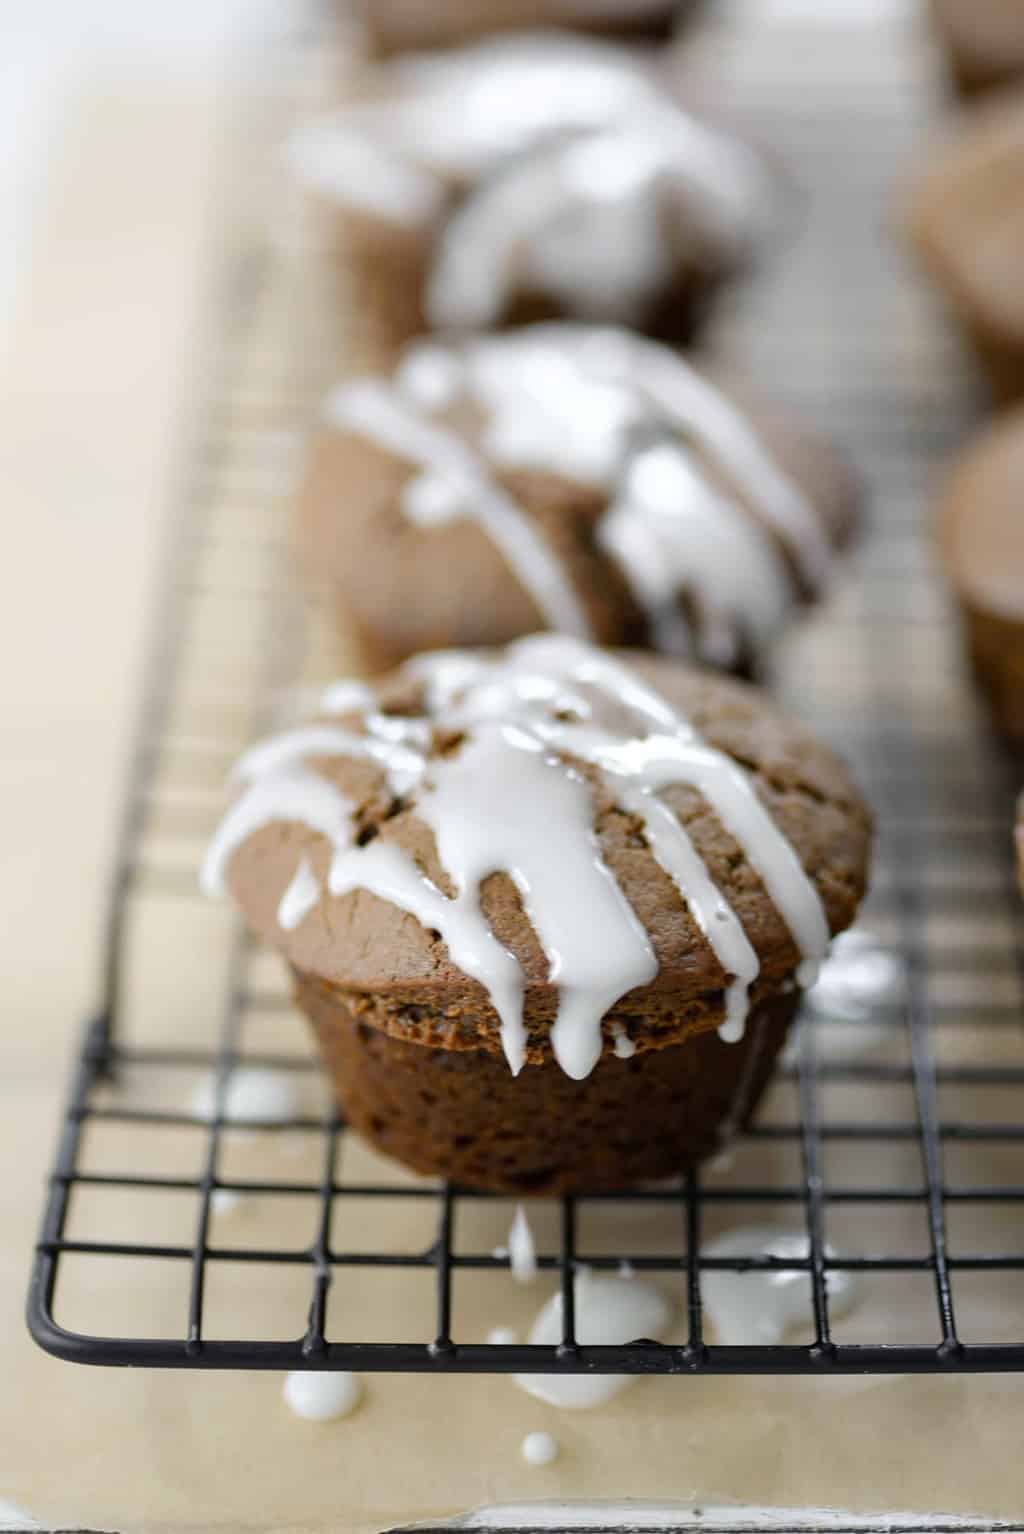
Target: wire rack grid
[892, 1141]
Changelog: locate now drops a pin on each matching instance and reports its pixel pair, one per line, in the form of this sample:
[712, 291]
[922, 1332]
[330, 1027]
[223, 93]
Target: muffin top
[534, 843]
[982, 520]
[554, 165]
[967, 215]
[571, 477]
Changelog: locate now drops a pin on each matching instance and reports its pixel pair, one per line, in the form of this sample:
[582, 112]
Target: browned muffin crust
[381, 962]
[461, 1114]
[967, 222]
[981, 538]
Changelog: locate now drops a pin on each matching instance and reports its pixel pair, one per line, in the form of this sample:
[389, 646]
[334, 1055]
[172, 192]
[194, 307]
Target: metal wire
[942, 787]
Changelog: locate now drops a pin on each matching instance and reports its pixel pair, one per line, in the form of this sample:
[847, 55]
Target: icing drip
[603, 408]
[761, 1306]
[527, 715]
[302, 894]
[521, 1250]
[456, 485]
[624, 1046]
[608, 1310]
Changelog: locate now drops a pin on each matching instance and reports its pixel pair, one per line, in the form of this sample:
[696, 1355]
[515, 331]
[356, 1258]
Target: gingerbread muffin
[531, 177]
[393, 26]
[565, 477]
[967, 222]
[549, 909]
[985, 39]
[981, 532]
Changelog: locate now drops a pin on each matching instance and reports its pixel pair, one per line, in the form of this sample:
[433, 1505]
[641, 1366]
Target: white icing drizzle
[580, 175]
[604, 408]
[302, 894]
[585, 220]
[611, 1310]
[521, 1249]
[761, 1306]
[455, 484]
[539, 1449]
[320, 1395]
[526, 714]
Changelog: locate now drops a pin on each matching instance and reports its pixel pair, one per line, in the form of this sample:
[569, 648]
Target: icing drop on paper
[320, 1395]
[527, 715]
[760, 1307]
[609, 1310]
[254, 1094]
[539, 1449]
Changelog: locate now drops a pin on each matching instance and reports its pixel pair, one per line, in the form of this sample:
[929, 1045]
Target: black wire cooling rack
[894, 1141]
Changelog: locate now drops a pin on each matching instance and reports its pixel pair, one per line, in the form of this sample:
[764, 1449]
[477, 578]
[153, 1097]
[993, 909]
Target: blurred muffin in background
[392, 26]
[981, 539]
[529, 177]
[985, 41]
[573, 478]
[967, 223]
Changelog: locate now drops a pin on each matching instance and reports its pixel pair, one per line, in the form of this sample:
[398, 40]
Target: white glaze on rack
[761, 1306]
[254, 1094]
[527, 715]
[605, 409]
[609, 1310]
[579, 175]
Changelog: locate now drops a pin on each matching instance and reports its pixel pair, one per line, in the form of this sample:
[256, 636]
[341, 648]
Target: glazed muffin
[981, 532]
[967, 222]
[528, 178]
[565, 477]
[392, 26]
[985, 39]
[549, 909]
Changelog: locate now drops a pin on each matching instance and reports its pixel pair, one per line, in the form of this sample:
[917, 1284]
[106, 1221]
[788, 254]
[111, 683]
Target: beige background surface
[88, 454]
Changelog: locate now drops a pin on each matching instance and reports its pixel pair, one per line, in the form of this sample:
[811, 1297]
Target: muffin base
[462, 1115]
[995, 647]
